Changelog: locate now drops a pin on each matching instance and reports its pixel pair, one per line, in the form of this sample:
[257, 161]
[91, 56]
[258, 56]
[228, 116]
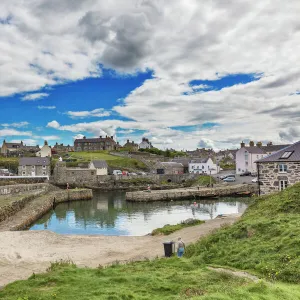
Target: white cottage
[100, 166]
[145, 144]
[203, 166]
[45, 151]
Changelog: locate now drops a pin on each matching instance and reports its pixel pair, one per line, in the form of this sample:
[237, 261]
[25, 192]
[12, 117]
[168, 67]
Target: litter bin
[169, 248]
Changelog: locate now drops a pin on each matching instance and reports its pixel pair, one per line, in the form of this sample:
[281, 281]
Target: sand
[25, 252]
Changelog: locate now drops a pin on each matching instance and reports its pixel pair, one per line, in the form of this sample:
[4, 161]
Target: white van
[117, 172]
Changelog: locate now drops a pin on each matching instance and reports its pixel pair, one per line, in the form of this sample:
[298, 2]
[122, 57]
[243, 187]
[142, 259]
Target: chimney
[128, 141]
[132, 142]
[21, 143]
[242, 144]
[112, 137]
[259, 144]
[100, 136]
[251, 144]
[84, 137]
[46, 143]
[270, 144]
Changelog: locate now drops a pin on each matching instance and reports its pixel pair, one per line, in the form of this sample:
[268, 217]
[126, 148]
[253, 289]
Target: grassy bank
[265, 241]
[155, 280]
[168, 229]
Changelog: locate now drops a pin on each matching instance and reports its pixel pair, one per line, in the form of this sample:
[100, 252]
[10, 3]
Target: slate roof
[276, 157]
[274, 148]
[171, 164]
[183, 161]
[95, 140]
[34, 161]
[255, 150]
[200, 160]
[100, 164]
[13, 145]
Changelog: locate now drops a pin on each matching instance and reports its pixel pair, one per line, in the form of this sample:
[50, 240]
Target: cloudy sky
[185, 73]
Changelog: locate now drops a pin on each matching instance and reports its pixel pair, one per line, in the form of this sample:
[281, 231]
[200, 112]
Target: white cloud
[34, 97]
[180, 41]
[17, 125]
[13, 132]
[53, 124]
[78, 136]
[50, 137]
[46, 107]
[99, 112]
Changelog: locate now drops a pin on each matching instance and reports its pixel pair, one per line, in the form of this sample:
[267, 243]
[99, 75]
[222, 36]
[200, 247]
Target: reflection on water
[109, 214]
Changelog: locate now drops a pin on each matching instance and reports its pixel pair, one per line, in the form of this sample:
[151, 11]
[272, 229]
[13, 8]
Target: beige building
[100, 166]
[13, 149]
[131, 145]
[169, 168]
[95, 144]
[45, 151]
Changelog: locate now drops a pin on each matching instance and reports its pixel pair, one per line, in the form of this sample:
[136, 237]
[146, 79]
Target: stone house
[100, 166]
[45, 151]
[184, 161]
[95, 144]
[34, 166]
[203, 166]
[279, 170]
[62, 148]
[131, 146]
[145, 144]
[169, 168]
[14, 149]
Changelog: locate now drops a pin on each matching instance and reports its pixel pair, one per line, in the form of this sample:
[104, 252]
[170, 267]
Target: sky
[183, 73]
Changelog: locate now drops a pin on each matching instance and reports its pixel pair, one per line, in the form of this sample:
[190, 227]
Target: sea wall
[21, 188]
[15, 180]
[190, 193]
[40, 205]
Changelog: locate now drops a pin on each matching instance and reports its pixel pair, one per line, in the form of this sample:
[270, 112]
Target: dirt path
[25, 252]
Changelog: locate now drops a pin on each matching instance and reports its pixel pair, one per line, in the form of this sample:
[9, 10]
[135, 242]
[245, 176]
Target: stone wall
[15, 180]
[269, 176]
[192, 193]
[21, 188]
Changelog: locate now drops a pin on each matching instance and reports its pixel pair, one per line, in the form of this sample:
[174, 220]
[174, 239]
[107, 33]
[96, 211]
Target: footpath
[23, 253]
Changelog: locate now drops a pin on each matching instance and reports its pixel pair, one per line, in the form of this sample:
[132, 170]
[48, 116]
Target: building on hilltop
[62, 148]
[96, 144]
[45, 151]
[279, 170]
[247, 155]
[34, 166]
[145, 144]
[100, 166]
[202, 153]
[17, 149]
[131, 146]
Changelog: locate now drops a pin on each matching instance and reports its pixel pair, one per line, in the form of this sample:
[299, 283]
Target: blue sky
[181, 74]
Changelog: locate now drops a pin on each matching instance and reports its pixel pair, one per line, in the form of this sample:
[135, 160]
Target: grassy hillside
[115, 162]
[266, 241]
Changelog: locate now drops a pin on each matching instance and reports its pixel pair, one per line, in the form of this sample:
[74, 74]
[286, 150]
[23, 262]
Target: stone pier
[192, 193]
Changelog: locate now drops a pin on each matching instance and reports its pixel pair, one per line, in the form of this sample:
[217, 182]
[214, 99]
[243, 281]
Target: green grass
[266, 240]
[203, 180]
[114, 162]
[154, 280]
[10, 163]
[168, 229]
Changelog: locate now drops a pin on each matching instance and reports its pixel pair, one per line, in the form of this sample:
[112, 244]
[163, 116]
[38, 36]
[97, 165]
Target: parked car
[247, 173]
[141, 173]
[254, 174]
[255, 180]
[229, 179]
[117, 172]
[228, 175]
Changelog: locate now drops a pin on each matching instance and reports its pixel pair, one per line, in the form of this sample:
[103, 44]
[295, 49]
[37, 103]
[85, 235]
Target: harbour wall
[21, 188]
[190, 193]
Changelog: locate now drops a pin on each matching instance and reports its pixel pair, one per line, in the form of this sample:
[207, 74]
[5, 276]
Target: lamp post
[209, 176]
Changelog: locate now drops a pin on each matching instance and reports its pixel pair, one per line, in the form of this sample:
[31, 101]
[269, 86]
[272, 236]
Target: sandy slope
[25, 252]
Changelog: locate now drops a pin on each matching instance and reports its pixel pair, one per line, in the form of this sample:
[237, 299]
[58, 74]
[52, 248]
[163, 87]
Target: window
[246, 163]
[33, 167]
[44, 173]
[239, 169]
[24, 173]
[23, 167]
[257, 156]
[283, 184]
[246, 155]
[287, 154]
[282, 168]
[44, 167]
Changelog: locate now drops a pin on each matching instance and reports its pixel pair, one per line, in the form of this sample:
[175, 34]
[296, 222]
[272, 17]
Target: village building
[228, 155]
[145, 144]
[246, 156]
[169, 168]
[184, 161]
[45, 151]
[201, 153]
[100, 166]
[16, 149]
[96, 144]
[279, 170]
[61, 148]
[34, 166]
[131, 146]
[203, 166]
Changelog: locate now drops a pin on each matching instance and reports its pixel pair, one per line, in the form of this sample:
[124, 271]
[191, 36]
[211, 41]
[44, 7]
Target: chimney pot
[242, 144]
[251, 144]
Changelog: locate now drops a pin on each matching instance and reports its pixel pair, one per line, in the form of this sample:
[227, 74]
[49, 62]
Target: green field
[265, 242]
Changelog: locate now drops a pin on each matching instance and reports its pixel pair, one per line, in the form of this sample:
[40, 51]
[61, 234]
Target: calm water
[109, 214]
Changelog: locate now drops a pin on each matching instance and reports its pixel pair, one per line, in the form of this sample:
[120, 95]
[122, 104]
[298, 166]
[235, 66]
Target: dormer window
[287, 154]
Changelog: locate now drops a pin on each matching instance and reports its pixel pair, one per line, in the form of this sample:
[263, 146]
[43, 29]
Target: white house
[203, 166]
[246, 156]
[45, 151]
[100, 166]
[145, 144]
